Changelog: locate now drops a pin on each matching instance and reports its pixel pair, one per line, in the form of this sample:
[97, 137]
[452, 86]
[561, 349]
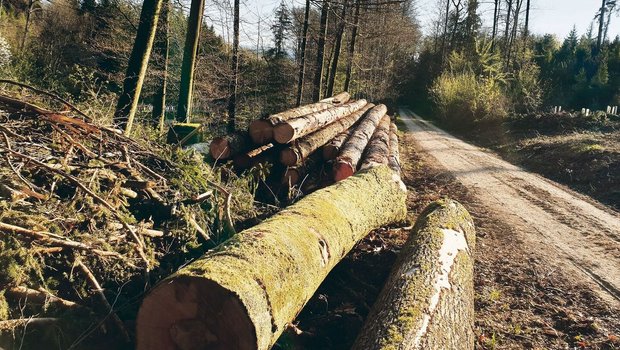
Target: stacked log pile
[315, 144]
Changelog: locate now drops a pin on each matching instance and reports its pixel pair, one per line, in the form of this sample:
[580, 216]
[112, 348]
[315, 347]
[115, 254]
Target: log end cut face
[283, 133]
[194, 314]
[261, 131]
[343, 170]
[220, 148]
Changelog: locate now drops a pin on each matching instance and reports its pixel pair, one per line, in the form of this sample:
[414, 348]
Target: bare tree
[194, 23]
[162, 43]
[302, 52]
[337, 46]
[356, 21]
[320, 57]
[232, 102]
[136, 68]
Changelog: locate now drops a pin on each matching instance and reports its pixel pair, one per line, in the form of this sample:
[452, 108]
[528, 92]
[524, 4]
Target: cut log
[243, 294]
[346, 163]
[261, 130]
[293, 175]
[378, 149]
[225, 147]
[428, 300]
[394, 159]
[332, 148]
[303, 147]
[295, 128]
[342, 97]
[254, 157]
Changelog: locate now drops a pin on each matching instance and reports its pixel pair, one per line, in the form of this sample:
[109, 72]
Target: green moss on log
[274, 268]
[425, 305]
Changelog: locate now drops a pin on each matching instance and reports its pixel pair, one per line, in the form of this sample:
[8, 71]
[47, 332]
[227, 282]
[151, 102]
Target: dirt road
[570, 230]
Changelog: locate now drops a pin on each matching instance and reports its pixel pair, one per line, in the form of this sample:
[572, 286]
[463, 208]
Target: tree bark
[26, 26]
[161, 50]
[332, 148]
[340, 98]
[261, 130]
[303, 147]
[356, 21]
[428, 300]
[136, 68]
[295, 128]
[378, 149]
[204, 303]
[346, 163]
[302, 63]
[601, 24]
[339, 35]
[526, 29]
[194, 24]
[495, 21]
[232, 102]
[228, 146]
[254, 157]
[394, 159]
[320, 56]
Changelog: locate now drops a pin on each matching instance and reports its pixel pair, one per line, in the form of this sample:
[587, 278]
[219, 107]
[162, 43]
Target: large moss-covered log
[297, 152]
[378, 149]
[394, 159]
[228, 146]
[295, 128]
[243, 294]
[428, 300]
[261, 130]
[353, 149]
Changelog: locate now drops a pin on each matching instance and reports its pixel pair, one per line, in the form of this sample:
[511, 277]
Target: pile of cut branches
[89, 219]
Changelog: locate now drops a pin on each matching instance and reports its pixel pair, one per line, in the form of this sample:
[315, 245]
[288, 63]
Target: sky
[547, 16]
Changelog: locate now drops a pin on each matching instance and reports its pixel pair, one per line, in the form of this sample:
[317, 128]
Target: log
[303, 147]
[293, 175]
[38, 296]
[378, 149]
[342, 97]
[261, 130]
[428, 299]
[243, 294]
[346, 163]
[225, 147]
[332, 148]
[295, 128]
[254, 157]
[394, 159]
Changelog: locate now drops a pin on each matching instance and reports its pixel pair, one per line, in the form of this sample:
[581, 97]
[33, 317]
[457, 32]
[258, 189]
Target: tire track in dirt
[562, 226]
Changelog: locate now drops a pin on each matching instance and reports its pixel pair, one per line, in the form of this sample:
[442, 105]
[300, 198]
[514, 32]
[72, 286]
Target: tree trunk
[339, 35]
[378, 149]
[445, 31]
[261, 130]
[601, 24]
[394, 159]
[302, 50]
[495, 21]
[526, 29]
[254, 157]
[332, 148]
[204, 303]
[428, 300]
[161, 50]
[194, 24]
[508, 13]
[295, 128]
[356, 21]
[340, 98]
[346, 163]
[320, 56]
[228, 146]
[232, 102]
[26, 26]
[303, 147]
[136, 67]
